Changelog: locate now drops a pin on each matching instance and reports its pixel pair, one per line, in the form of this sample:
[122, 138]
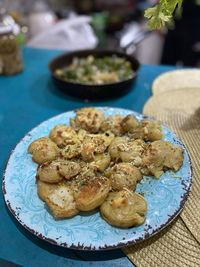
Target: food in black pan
[91, 70]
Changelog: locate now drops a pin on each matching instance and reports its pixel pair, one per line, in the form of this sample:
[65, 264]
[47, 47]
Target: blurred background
[115, 24]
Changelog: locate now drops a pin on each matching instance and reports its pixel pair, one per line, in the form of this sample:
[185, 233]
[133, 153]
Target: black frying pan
[93, 91]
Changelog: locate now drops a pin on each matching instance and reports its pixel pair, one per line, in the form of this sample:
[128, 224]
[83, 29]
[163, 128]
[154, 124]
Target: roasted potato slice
[147, 130]
[152, 130]
[127, 150]
[161, 155]
[71, 151]
[123, 175]
[43, 150]
[87, 172]
[92, 193]
[133, 152]
[95, 143]
[130, 123]
[81, 134]
[61, 202]
[69, 169]
[49, 172]
[44, 189]
[89, 119]
[63, 135]
[113, 124]
[116, 146]
[101, 161]
[124, 209]
[88, 150]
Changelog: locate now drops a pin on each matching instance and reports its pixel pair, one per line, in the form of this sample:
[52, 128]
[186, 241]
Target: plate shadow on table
[65, 252]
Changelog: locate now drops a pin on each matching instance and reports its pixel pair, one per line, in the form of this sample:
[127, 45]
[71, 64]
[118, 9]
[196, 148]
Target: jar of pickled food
[10, 54]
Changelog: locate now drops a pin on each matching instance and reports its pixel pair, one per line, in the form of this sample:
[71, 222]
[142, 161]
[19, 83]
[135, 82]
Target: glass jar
[10, 54]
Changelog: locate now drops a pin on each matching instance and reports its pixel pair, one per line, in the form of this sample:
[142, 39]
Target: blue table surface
[27, 99]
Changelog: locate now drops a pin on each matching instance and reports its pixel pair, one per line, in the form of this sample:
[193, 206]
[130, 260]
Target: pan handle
[131, 46]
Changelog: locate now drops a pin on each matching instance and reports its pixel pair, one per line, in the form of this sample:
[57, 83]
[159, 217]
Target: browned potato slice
[152, 130]
[101, 161]
[133, 152]
[63, 135]
[127, 150]
[174, 159]
[38, 143]
[43, 150]
[95, 143]
[88, 150]
[100, 142]
[69, 169]
[137, 133]
[81, 134]
[44, 189]
[129, 123]
[161, 155]
[147, 130]
[89, 119]
[116, 146]
[71, 151]
[123, 175]
[124, 209]
[91, 193]
[88, 170]
[113, 124]
[108, 137]
[61, 202]
[49, 172]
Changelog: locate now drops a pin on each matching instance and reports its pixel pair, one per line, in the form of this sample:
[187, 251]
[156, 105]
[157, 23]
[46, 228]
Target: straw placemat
[180, 110]
[176, 79]
[177, 245]
[186, 101]
[173, 247]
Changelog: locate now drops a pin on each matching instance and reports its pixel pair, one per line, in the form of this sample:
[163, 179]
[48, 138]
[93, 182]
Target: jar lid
[8, 25]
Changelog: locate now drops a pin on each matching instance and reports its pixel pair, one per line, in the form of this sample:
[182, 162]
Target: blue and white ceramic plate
[165, 196]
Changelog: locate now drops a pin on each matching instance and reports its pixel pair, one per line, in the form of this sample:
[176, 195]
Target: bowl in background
[92, 91]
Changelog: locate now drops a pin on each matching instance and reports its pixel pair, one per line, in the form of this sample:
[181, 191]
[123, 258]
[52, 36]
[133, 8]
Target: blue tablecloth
[26, 100]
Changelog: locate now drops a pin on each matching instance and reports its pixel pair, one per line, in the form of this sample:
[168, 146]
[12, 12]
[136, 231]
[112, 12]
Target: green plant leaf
[161, 13]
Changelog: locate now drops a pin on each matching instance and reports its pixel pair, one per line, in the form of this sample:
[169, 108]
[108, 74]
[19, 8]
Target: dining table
[26, 100]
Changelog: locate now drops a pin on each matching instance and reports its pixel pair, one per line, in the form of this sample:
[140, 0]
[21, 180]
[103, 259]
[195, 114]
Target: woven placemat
[173, 247]
[177, 245]
[176, 79]
[186, 101]
[180, 110]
